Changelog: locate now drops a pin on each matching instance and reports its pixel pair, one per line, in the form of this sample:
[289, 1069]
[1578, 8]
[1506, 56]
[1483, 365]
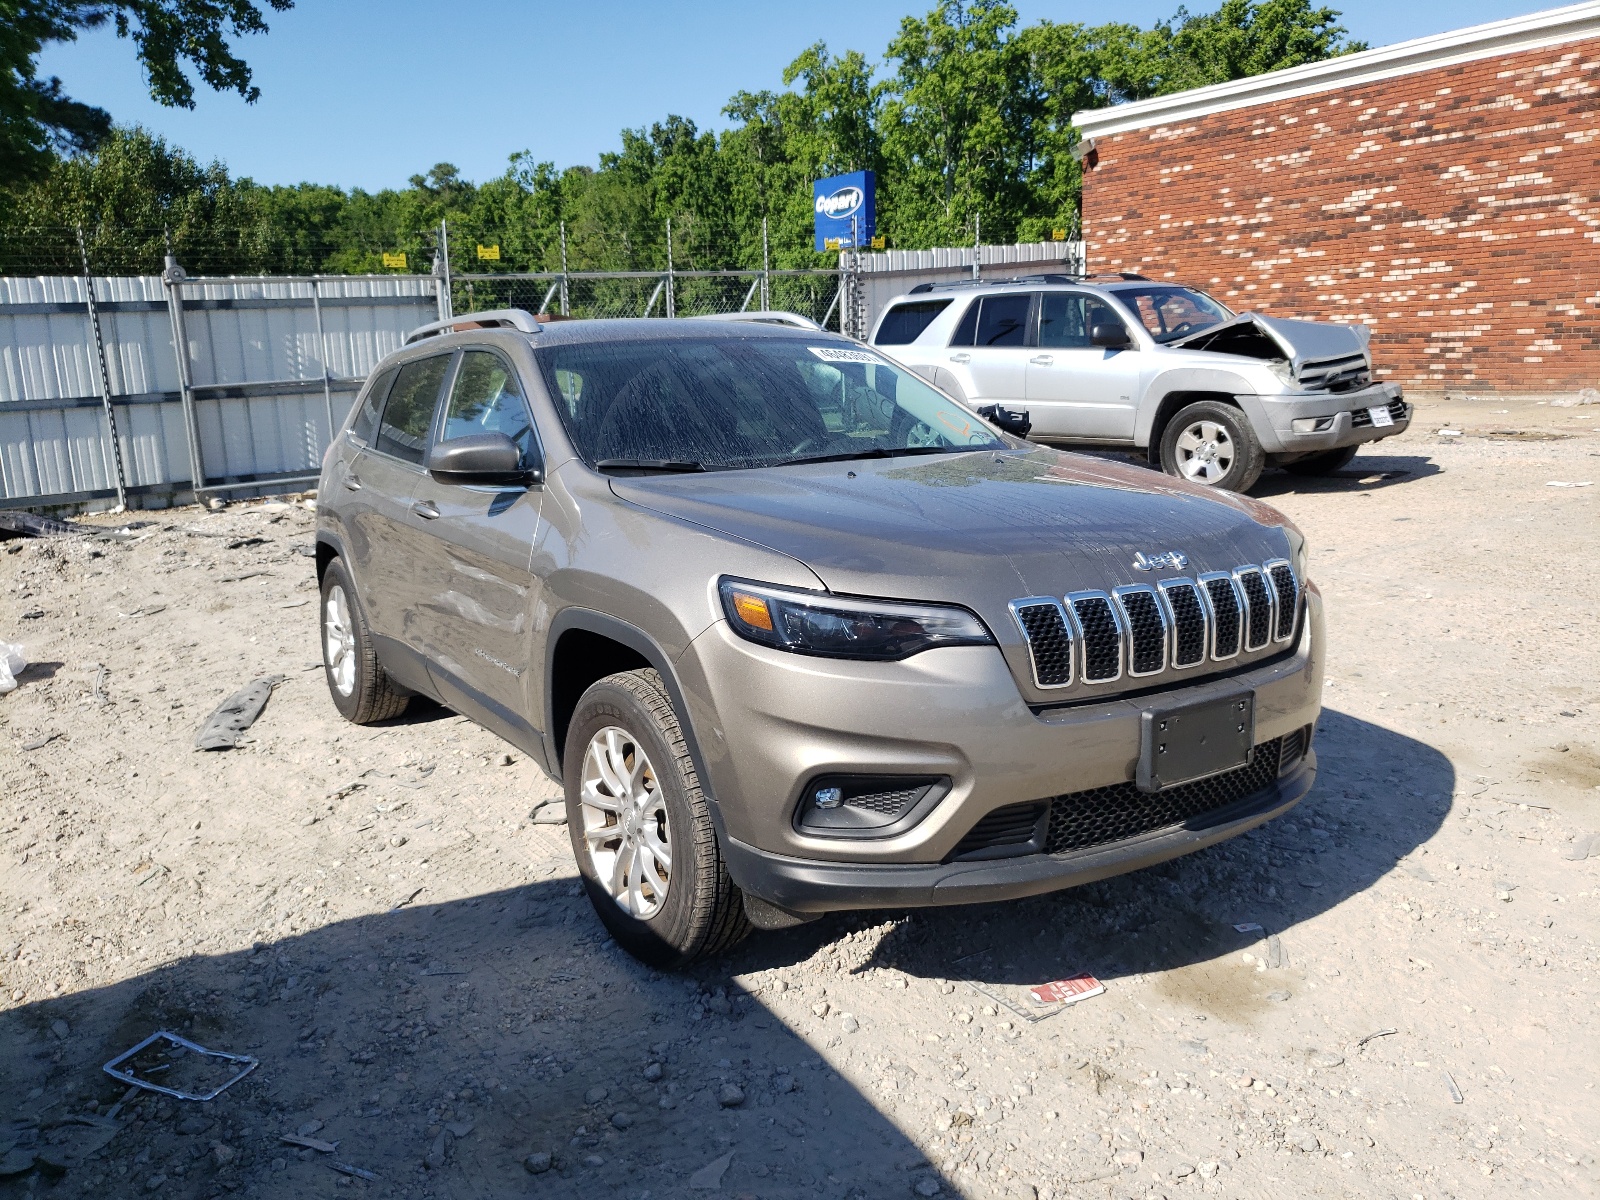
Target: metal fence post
[173, 276]
[565, 310]
[322, 353]
[672, 304]
[105, 375]
[766, 270]
[977, 241]
[441, 274]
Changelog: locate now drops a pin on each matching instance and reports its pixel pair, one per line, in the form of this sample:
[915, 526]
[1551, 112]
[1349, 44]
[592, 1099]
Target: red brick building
[1445, 191]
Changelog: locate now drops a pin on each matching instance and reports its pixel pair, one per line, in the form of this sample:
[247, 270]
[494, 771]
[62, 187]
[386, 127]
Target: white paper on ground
[11, 664]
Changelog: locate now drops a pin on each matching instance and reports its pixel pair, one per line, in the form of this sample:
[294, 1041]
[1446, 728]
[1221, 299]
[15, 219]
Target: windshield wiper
[875, 452]
[671, 465]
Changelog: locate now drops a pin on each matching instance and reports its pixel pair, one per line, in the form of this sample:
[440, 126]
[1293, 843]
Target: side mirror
[1014, 421]
[1113, 336]
[486, 458]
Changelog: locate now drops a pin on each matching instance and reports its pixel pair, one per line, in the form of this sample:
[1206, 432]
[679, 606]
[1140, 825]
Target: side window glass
[967, 331]
[904, 323]
[487, 398]
[366, 418]
[1003, 320]
[403, 432]
[1062, 322]
[1102, 314]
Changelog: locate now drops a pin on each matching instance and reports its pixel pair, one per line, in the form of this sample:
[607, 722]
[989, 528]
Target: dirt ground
[375, 916]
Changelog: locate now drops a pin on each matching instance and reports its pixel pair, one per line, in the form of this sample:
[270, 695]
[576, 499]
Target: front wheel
[1211, 443]
[641, 826]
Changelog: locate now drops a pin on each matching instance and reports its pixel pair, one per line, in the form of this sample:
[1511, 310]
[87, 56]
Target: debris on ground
[709, 1177]
[359, 1172]
[12, 663]
[234, 715]
[190, 1063]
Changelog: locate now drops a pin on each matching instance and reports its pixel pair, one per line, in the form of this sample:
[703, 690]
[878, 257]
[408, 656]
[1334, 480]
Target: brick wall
[1455, 209]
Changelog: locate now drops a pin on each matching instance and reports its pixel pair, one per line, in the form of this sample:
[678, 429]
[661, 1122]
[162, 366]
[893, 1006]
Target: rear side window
[995, 321]
[366, 419]
[904, 323]
[403, 432]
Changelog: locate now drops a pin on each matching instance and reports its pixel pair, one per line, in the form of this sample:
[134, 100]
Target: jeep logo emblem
[1169, 558]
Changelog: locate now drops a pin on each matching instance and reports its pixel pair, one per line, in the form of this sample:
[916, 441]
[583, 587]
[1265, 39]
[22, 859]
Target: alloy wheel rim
[625, 822]
[1205, 452]
[339, 640]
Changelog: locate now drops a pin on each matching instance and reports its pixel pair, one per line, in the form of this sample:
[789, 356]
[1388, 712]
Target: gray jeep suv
[797, 631]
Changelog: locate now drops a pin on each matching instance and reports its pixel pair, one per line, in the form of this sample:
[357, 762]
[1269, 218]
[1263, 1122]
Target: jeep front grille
[1144, 631]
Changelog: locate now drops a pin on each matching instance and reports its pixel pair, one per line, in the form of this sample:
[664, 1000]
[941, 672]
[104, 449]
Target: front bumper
[800, 886]
[1273, 417]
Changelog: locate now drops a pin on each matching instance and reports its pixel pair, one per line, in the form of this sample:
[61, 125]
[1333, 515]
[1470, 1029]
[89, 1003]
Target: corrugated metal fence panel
[242, 333]
[887, 274]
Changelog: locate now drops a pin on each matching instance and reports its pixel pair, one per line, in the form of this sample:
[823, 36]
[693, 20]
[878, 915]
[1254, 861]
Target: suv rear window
[904, 323]
[995, 321]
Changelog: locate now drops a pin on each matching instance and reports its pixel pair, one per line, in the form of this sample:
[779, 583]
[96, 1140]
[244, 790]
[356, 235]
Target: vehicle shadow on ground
[1379, 796]
[439, 1046]
[1367, 473]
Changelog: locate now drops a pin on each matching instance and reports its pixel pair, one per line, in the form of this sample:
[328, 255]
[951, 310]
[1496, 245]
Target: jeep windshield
[725, 402]
[1171, 312]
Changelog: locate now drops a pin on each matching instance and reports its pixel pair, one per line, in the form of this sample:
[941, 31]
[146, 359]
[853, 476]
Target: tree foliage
[170, 38]
[967, 123]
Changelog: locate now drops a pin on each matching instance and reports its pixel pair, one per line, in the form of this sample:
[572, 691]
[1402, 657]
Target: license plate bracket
[1181, 745]
[1381, 417]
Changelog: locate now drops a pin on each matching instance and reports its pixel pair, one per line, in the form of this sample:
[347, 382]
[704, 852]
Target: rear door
[1074, 389]
[474, 619]
[385, 535]
[989, 353]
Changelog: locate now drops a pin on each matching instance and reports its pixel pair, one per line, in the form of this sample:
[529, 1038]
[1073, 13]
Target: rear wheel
[361, 689]
[1211, 443]
[641, 826]
[1325, 463]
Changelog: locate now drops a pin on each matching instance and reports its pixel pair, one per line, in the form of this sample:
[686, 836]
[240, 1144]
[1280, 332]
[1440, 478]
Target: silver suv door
[1075, 389]
[379, 484]
[989, 353]
[475, 618]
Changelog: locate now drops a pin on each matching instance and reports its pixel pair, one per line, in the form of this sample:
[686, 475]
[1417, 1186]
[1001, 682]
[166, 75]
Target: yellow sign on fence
[397, 261]
[1058, 235]
[878, 243]
[489, 253]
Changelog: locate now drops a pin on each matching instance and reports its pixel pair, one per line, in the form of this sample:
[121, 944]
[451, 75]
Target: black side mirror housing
[1112, 336]
[482, 458]
[1014, 421]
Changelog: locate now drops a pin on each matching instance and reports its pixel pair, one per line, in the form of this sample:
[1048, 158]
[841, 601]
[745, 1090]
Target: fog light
[829, 797]
[866, 805]
[1311, 424]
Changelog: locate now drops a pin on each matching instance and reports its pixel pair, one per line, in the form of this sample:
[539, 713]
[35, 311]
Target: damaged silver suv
[798, 632]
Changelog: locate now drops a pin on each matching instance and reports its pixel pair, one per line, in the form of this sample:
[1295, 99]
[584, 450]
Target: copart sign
[844, 207]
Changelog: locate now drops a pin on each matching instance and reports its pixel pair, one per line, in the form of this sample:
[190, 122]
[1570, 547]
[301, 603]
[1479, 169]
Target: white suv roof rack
[498, 318]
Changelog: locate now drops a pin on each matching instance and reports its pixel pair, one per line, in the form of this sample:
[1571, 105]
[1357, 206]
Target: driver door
[476, 617]
[1077, 390]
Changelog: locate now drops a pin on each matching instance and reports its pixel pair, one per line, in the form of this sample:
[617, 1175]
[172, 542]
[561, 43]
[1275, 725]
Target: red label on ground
[1065, 991]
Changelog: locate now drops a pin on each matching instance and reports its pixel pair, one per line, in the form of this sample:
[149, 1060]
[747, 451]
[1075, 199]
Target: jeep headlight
[837, 627]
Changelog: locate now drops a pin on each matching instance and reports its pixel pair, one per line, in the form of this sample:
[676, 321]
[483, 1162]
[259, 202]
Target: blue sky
[366, 93]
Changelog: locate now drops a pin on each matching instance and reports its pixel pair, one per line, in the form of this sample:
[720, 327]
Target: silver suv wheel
[625, 825]
[1205, 452]
[1211, 443]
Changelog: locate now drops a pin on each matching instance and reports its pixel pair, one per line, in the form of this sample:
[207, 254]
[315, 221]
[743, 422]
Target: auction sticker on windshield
[839, 354]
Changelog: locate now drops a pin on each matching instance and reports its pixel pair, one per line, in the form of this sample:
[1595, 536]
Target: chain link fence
[580, 294]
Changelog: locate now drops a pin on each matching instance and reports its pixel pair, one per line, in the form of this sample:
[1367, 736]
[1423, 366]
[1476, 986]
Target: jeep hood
[978, 529]
[1300, 343]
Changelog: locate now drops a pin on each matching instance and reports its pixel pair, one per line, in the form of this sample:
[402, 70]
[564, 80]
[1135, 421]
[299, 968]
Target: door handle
[425, 510]
[1042, 360]
[352, 482]
[961, 358]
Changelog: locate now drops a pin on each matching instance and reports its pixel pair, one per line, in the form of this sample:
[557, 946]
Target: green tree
[170, 37]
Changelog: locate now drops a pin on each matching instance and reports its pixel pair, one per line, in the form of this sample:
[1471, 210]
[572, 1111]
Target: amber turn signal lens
[752, 610]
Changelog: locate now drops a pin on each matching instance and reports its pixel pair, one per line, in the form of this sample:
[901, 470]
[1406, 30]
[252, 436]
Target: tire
[1325, 463]
[1211, 443]
[623, 812]
[361, 689]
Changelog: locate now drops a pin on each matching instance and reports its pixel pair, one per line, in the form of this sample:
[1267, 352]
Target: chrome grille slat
[1102, 636]
[1222, 598]
[1050, 639]
[1258, 607]
[1146, 622]
[1286, 595]
[1190, 628]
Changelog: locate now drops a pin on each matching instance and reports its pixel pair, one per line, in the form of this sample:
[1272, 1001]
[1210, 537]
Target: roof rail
[1047, 277]
[499, 318]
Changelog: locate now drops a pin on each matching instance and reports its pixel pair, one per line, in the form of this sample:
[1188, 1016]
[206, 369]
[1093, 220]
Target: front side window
[1067, 319]
[904, 323]
[486, 398]
[1171, 312]
[721, 403]
[403, 431]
